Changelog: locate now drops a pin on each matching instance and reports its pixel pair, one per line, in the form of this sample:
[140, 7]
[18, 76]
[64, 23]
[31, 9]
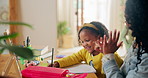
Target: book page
[80, 68]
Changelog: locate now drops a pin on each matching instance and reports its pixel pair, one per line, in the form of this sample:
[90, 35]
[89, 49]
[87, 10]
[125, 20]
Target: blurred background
[57, 22]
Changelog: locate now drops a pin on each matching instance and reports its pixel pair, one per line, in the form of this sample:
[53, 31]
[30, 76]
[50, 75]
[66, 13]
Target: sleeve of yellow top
[118, 59]
[72, 59]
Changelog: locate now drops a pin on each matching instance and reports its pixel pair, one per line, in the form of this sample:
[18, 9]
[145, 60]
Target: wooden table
[9, 66]
[91, 75]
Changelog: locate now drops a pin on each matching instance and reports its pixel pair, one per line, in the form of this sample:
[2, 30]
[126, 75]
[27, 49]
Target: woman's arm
[112, 70]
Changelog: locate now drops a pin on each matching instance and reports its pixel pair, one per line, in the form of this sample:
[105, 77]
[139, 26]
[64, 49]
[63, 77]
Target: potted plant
[17, 50]
[22, 52]
[62, 29]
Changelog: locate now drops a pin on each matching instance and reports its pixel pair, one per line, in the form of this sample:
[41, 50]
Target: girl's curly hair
[102, 30]
[136, 14]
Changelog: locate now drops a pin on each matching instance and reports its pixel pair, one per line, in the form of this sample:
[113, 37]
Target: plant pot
[68, 41]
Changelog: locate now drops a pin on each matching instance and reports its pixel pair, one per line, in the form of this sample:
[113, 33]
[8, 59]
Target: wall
[3, 15]
[115, 15]
[66, 12]
[42, 15]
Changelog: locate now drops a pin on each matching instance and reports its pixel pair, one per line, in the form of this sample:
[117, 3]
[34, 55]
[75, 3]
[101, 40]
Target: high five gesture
[111, 44]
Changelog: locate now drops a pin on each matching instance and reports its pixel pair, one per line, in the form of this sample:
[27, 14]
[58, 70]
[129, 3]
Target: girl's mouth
[87, 48]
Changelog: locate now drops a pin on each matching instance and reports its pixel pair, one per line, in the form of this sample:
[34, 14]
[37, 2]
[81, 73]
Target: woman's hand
[56, 64]
[109, 45]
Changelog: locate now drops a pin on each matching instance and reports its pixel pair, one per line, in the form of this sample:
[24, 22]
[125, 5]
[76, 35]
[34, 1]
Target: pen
[24, 43]
[28, 41]
[52, 57]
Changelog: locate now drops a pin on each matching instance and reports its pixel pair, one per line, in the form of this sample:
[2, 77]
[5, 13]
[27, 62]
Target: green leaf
[25, 53]
[17, 23]
[1, 50]
[62, 28]
[9, 36]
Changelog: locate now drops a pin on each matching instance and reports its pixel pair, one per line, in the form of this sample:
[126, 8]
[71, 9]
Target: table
[9, 66]
[91, 75]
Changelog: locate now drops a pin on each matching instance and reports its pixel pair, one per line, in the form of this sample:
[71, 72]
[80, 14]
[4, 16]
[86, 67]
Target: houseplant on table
[23, 52]
[19, 51]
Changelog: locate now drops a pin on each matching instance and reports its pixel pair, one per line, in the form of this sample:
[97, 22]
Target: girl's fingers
[98, 44]
[50, 65]
[101, 40]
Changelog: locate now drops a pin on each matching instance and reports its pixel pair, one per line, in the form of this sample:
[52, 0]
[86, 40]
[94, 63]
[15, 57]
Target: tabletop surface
[91, 75]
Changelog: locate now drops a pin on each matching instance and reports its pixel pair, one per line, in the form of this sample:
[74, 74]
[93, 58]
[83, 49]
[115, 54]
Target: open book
[81, 68]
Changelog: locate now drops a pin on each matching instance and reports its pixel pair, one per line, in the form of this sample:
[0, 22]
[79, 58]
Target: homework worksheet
[81, 68]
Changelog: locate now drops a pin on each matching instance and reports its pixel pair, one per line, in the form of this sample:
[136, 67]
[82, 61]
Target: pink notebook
[43, 72]
[48, 72]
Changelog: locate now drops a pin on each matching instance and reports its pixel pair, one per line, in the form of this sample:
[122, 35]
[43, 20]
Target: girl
[88, 35]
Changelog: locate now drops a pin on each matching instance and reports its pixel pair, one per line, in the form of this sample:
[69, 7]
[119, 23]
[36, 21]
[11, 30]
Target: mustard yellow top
[84, 55]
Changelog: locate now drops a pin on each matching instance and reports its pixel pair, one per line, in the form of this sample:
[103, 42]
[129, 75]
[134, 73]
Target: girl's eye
[87, 40]
[82, 41]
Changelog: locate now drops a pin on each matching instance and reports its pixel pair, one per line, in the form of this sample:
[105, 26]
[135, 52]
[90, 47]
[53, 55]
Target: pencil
[52, 57]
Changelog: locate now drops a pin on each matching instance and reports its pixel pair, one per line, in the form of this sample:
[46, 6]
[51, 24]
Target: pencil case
[43, 72]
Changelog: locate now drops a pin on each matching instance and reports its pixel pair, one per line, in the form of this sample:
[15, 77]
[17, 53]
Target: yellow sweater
[84, 55]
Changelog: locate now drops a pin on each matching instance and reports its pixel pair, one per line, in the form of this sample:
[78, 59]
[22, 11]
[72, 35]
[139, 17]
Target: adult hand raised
[111, 44]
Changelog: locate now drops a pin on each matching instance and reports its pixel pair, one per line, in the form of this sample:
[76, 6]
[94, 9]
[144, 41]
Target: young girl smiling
[88, 35]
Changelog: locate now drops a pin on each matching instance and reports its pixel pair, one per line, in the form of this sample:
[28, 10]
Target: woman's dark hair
[102, 30]
[136, 14]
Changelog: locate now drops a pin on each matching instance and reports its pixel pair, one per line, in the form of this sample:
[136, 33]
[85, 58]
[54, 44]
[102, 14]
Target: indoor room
[50, 28]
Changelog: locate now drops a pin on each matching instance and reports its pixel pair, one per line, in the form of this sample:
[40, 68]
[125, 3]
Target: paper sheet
[81, 68]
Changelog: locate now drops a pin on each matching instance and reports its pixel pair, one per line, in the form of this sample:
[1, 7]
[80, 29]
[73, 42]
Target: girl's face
[87, 39]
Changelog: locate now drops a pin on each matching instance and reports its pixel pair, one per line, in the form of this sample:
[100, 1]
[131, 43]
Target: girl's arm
[72, 59]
